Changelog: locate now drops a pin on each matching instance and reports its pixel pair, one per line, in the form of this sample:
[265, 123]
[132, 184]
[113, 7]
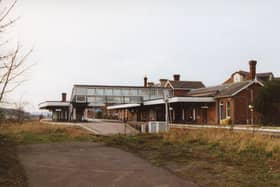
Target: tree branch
[8, 11]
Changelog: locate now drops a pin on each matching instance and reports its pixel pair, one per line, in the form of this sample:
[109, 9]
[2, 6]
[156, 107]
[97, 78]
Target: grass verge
[210, 157]
[35, 132]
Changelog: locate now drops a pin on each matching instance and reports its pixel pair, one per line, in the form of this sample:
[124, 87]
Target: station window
[108, 92]
[99, 91]
[99, 99]
[134, 92]
[228, 109]
[91, 91]
[125, 92]
[222, 116]
[81, 91]
[116, 92]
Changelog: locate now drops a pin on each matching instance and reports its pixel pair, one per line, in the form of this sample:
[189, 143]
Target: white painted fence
[155, 127]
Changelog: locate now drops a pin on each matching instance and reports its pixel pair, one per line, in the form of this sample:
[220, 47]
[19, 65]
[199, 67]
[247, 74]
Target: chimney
[145, 81]
[176, 77]
[252, 73]
[162, 82]
[63, 97]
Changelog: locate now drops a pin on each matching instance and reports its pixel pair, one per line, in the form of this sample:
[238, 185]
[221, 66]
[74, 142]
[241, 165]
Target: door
[204, 116]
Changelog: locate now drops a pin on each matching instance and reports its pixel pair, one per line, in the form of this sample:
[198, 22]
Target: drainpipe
[251, 107]
[166, 110]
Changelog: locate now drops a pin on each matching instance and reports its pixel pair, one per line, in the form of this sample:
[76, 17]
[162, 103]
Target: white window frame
[194, 114]
[220, 111]
[228, 109]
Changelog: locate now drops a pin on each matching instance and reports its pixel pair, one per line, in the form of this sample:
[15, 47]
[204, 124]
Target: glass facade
[116, 95]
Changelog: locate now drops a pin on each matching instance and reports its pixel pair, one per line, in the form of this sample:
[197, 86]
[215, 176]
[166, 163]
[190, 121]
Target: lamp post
[171, 114]
[251, 107]
[165, 97]
[166, 110]
[124, 121]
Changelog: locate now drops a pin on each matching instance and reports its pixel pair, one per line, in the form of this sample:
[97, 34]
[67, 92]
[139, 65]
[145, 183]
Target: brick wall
[239, 106]
[180, 93]
[212, 114]
[242, 101]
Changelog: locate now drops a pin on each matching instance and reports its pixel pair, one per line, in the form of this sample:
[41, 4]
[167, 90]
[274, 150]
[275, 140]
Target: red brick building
[182, 101]
[181, 88]
[192, 102]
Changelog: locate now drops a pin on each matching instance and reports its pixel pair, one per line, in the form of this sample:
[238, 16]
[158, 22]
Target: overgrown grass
[210, 157]
[35, 132]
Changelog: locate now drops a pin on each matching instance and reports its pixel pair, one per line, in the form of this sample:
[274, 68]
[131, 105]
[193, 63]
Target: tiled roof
[230, 89]
[206, 92]
[265, 75]
[220, 90]
[186, 84]
[244, 73]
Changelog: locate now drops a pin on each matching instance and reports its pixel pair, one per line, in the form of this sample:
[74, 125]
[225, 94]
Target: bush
[267, 102]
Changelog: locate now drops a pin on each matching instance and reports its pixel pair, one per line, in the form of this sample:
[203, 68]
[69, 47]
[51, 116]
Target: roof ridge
[184, 81]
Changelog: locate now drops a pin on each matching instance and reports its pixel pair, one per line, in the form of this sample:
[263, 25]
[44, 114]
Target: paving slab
[90, 165]
[109, 128]
[101, 127]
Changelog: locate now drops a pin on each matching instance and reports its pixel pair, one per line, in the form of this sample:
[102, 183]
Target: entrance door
[204, 116]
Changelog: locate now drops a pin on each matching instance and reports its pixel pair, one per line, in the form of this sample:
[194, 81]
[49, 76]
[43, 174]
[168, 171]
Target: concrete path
[90, 165]
[101, 127]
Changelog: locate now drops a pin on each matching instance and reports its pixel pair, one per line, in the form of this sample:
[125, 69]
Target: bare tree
[12, 63]
[5, 22]
[19, 111]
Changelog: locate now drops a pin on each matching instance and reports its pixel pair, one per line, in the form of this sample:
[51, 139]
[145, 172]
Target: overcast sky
[119, 41]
